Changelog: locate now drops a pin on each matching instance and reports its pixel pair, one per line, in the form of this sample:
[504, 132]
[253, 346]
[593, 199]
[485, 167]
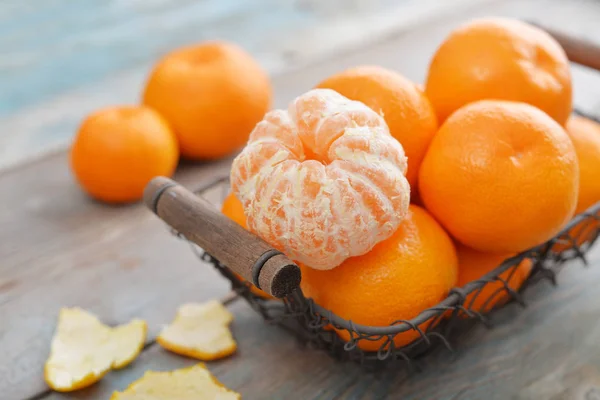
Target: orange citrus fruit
[323, 180]
[500, 176]
[407, 273]
[212, 94]
[473, 265]
[233, 209]
[501, 59]
[118, 150]
[405, 108]
[585, 135]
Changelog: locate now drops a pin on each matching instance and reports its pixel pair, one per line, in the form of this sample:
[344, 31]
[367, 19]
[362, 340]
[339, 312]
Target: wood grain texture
[581, 51]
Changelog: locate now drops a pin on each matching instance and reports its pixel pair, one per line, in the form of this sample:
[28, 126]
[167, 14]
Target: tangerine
[323, 180]
[500, 176]
[403, 105]
[473, 265]
[233, 209]
[400, 277]
[117, 150]
[585, 135]
[212, 94]
[501, 59]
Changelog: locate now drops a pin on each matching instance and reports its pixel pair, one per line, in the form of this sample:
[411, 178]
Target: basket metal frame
[312, 324]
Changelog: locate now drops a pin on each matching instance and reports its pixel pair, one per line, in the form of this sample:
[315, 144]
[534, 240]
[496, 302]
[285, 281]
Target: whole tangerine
[233, 209]
[473, 265]
[402, 276]
[403, 105]
[502, 59]
[323, 180]
[117, 150]
[500, 176]
[212, 94]
[585, 135]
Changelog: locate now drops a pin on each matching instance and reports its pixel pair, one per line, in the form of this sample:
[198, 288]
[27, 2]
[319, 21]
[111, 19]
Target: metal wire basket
[436, 327]
[312, 324]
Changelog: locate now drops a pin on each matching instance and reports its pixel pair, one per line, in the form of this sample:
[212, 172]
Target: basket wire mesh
[435, 327]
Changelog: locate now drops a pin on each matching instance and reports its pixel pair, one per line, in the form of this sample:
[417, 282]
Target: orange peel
[190, 383]
[323, 180]
[83, 349]
[201, 331]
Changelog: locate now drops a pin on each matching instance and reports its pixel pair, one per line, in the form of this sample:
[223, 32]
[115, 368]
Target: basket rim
[455, 296]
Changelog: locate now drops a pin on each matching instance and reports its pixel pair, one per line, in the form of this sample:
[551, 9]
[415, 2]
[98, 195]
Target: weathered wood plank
[60, 249]
[546, 351]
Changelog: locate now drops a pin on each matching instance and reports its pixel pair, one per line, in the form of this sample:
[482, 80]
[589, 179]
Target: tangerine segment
[200, 331]
[83, 349]
[323, 180]
[192, 383]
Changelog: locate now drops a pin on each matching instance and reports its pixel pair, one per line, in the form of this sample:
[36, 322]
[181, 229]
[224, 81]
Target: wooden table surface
[58, 248]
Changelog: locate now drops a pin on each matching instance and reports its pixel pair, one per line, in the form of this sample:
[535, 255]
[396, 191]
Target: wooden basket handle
[240, 250]
[578, 50]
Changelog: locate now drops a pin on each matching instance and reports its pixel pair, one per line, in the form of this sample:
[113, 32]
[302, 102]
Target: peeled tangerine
[83, 349]
[191, 383]
[200, 331]
[323, 180]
